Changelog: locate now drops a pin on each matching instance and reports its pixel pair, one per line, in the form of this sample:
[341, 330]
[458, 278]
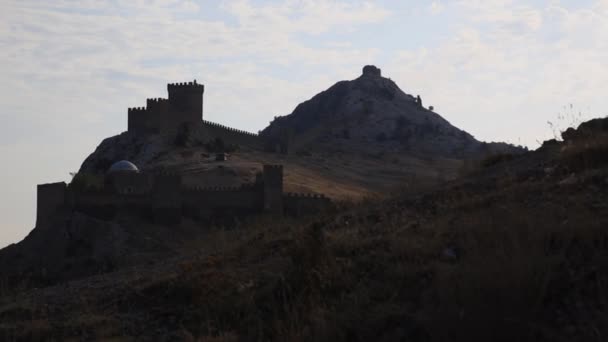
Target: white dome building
[123, 166]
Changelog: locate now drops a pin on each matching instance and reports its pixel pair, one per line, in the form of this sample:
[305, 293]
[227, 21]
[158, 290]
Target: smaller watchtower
[372, 70]
[273, 189]
[185, 103]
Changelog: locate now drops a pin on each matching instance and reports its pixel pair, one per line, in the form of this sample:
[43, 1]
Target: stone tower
[273, 189]
[372, 70]
[185, 104]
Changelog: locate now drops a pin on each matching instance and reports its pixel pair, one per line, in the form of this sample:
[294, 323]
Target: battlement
[156, 100]
[163, 193]
[305, 195]
[135, 110]
[216, 189]
[182, 108]
[185, 85]
[166, 173]
[140, 120]
[230, 129]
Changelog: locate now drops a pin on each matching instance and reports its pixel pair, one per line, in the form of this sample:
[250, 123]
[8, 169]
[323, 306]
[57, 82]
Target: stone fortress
[184, 109]
[163, 196]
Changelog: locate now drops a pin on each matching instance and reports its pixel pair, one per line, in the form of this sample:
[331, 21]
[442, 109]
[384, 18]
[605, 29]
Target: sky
[499, 69]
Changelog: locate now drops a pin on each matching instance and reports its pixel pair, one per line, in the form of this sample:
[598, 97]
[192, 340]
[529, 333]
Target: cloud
[71, 69]
[436, 7]
[506, 70]
[498, 68]
[311, 17]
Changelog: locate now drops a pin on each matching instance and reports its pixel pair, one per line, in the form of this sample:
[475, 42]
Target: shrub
[218, 145]
[495, 159]
[86, 181]
[587, 152]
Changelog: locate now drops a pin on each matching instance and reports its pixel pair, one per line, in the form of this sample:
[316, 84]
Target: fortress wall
[105, 205]
[231, 135]
[217, 198]
[143, 120]
[136, 118]
[273, 188]
[101, 199]
[50, 198]
[132, 183]
[166, 191]
[158, 113]
[304, 204]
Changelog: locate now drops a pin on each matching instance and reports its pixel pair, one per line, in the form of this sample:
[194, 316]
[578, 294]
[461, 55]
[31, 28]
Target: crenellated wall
[164, 198]
[105, 204]
[166, 191]
[184, 106]
[129, 183]
[304, 204]
[231, 135]
[273, 188]
[158, 113]
[140, 122]
[209, 201]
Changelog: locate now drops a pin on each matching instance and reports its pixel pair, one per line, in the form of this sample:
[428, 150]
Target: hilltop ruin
[163, 196]
[184, 109]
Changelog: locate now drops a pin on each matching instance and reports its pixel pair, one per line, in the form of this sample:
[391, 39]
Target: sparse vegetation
[218, 145]
[500, 258]
[495, 159]
[587, 152]
[569, 117]
[514, 250]
[86, 181]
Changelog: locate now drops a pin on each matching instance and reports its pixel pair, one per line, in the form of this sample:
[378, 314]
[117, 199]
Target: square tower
[185, 104]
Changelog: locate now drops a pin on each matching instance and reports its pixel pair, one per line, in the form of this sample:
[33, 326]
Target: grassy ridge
[517, 251]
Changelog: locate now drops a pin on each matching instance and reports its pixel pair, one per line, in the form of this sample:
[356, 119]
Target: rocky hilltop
[372, 113]
[522, 231]
[358, 139]
[366, 116]
[515, 250]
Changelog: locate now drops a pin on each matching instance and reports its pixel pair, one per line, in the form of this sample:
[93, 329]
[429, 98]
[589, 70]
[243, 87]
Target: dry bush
[505, 260]
[495, 159]
[516, 275]
[586, 153]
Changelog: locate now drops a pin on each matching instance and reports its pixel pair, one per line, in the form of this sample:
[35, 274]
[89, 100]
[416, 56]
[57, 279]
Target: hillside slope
[515, 251]
[358, 138]
[371, 113]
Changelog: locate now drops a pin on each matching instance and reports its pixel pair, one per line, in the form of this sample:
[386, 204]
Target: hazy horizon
[499, 69]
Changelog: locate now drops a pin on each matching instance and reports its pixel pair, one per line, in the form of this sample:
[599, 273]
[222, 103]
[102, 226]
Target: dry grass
[587, 153]
[510, 260]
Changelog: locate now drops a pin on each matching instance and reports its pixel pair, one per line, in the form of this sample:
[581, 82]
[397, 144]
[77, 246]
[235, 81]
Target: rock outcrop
[372, 113]
[126, 146]
[589, 128]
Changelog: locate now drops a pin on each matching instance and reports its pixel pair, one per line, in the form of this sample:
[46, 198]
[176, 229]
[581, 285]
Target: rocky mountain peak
[372, 113]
